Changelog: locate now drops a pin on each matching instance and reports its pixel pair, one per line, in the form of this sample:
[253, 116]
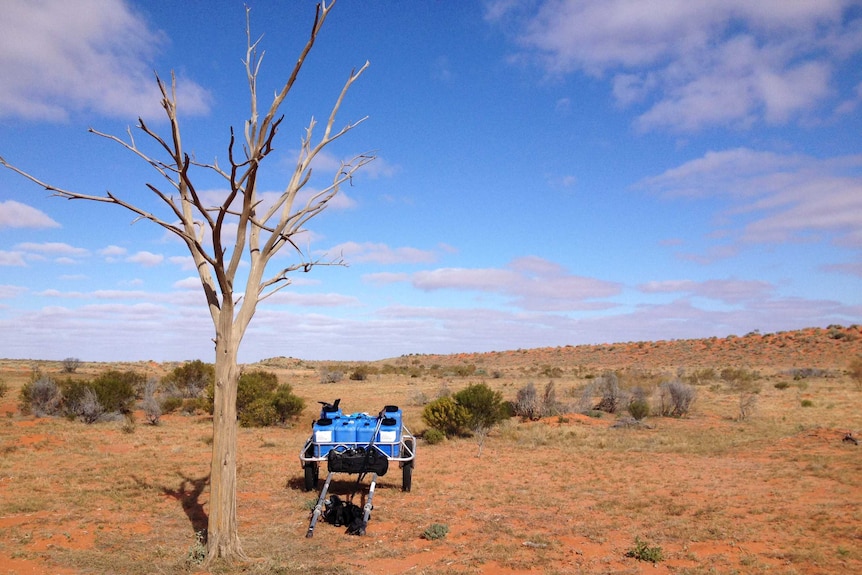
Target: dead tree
[260, 232]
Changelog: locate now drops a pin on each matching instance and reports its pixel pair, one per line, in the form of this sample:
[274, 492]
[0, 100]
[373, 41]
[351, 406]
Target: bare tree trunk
[222, 530]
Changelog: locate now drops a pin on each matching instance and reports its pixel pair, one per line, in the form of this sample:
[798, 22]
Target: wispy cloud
[146, 259]
[58, 58]
[17, 215]
[695, 64]
[531, 283]
[369, 252]
[773, 197]
[12, 258]
[53, 249]
[727, 291]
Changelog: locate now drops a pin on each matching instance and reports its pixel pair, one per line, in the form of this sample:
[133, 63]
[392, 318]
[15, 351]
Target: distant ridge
[826, 348]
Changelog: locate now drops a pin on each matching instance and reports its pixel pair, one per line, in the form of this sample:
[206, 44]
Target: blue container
[345, 431]
[392, 412]
[330, 412]
[323, 436]
[389, 437]
[365, 427]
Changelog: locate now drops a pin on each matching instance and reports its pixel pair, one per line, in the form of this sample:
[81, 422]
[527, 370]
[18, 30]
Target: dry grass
[777, 492]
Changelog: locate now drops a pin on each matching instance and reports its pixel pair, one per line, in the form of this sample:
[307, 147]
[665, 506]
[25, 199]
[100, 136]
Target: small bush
[262, 402]
[747, 405]
[855, 371]
[40, 397]
[741, 380]
[259, 413]
[484, 406]
[329, 376]
[254, 385]
[86, 407]
[701, 376]
[287, 404]
[4, 388]
[359, 373]
[608, 387]
[446, 415]
[807, 403]
[190, 379]
[643, 552]
[152, 409]
[435, 531]
[433, 436]
[781, 385]
[530, 405]
[171, 404]
[676, 398]
[527, 404]
[71, 364]
[116, 390]
[638, 408]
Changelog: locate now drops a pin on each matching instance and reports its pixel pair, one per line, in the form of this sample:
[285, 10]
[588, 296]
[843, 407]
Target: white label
[323, 436]
[388, 436]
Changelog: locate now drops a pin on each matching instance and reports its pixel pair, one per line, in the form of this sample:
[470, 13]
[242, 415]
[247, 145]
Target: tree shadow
[188, 494]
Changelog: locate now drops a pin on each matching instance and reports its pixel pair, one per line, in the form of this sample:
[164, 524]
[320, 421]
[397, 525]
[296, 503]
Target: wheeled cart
[357, 443]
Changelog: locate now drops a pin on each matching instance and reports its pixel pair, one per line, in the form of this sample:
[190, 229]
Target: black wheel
[311, 476]
[407, 476]
[407, 466]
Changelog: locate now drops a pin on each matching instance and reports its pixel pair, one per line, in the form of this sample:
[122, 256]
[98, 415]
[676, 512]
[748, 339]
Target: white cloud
[727, 291]
[14, 258]
[190, 283]
[287, 297]
[112, 252]
[59, 57]
[774, 197]
[369, 252]
[531, 283]
[53, 249]
[146, 259]
[17, 215]
[11, 291]
[695, 64]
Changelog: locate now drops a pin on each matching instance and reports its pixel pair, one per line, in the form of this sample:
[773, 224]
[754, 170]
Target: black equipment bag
[358, 460]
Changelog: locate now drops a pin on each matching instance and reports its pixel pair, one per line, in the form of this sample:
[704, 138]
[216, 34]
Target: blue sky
[548, 172]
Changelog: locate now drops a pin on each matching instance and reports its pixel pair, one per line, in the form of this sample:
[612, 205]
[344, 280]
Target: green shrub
[643, 552]
[807, 403]
[287, 404]
[171, 404]
[254, 385]
[4, 388]
[117, 390]
[782, 385]
[638, 408]
[259, 413]
[262, 402]
[446, 415]
[359, 373]
[485, 407]
[435, 531]
[190, 379]
[433, 436]
[740, 379]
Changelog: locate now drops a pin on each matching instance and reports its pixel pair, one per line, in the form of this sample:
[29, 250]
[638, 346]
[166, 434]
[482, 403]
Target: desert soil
[778, 491]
